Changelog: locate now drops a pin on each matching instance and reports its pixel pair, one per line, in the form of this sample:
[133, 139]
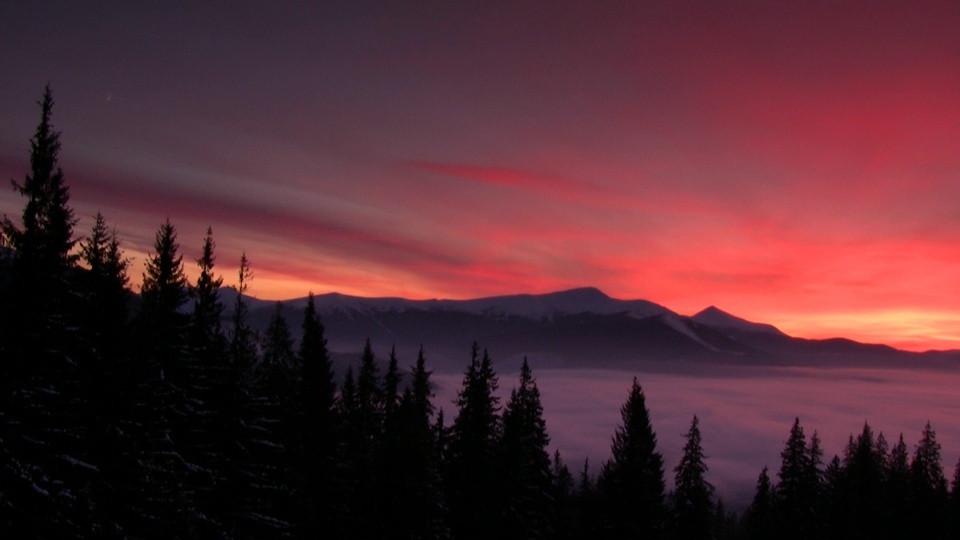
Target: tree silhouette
[860, 490]
[692, 507]
[525, 462]
[631, 483]
[207, 308]
[797, 490]
[160, 500]
[410, 478]
[316, 422]
[472, 479]
[43, 356]
[276, 367]
[759, 516]
[163, 292]
[928, 488]
[44, 242]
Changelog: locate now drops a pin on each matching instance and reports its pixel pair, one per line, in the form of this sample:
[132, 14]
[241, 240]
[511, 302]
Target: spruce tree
[632, 483]
[472, 479]
[370, 404]
[955, 500]
[896, 491]
[797, 490]
[44, 242]
[106, 291]
[564, 512]
[692, 508]
[928, 488]
[39, 310]
[316, 423]
[858, 502]
[273, 396]
[363, 435]
[525, 462]
[759, 516]
[212, 389]
[106, 369]
[161, 502]
[276, 367]
[243, 349]
[410, 478]
[43, 430]
[391, 387]
[207, 308]
[163, 292]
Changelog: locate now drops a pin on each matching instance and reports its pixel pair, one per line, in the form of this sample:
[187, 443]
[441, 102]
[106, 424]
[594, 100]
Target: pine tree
[207, 309]
[273, 447]
[410, 477]
[587, 518]
[759, 516]
[317, 430]
[472, 479]
[243, 351]
[276, 367]
[160, 501]
[955, 500]
[44, 243]
[370, 400]
[163, 292]
[632, 483]
[363, 435]
[563, 510]
[525, 462]
[105, 371]
[797, 490]
[106, 291]
[212, 390]
[38, 307]
[928, 488]
[896, 491]
[391, 386]
[692, 508]
[814, 482]
[44, 433]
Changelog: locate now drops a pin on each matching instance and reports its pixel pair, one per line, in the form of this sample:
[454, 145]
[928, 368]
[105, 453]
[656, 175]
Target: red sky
[792, 163]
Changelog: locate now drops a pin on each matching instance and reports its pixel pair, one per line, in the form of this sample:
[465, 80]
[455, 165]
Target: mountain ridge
[572, 328]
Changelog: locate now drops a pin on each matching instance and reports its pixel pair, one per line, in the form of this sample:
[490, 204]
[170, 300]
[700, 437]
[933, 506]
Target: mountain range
[577, 328]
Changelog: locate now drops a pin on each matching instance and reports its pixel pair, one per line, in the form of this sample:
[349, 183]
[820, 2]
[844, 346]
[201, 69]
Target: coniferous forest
[155, 416]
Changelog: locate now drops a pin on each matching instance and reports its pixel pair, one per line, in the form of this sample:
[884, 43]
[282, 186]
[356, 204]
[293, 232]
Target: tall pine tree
[631, 483]
[692, 505]
[161, 501]
[525, 463]
[164, 290]
[928, 488]
[797, 491]
[44, 439]
[472, 480]
[759, 519]
[316, 424]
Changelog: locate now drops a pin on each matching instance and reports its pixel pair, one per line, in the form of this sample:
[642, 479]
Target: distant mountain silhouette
[577, 328]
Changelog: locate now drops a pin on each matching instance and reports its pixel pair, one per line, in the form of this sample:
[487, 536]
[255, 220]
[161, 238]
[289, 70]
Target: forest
[157, 415]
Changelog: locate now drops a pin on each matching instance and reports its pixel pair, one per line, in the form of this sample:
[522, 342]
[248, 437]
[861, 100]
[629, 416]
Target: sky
[796, 163]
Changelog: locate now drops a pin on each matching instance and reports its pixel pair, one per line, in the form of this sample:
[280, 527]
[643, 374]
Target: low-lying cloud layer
[745, 414]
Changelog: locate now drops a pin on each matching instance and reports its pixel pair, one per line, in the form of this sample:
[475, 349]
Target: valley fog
[745, 413]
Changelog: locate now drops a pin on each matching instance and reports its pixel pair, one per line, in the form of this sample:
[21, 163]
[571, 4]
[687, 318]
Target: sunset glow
[791, 163]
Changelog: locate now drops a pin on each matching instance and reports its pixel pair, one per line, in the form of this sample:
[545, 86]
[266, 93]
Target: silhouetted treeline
[164, 422]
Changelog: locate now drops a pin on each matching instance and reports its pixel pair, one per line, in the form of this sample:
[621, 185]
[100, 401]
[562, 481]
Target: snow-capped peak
[717, 318]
